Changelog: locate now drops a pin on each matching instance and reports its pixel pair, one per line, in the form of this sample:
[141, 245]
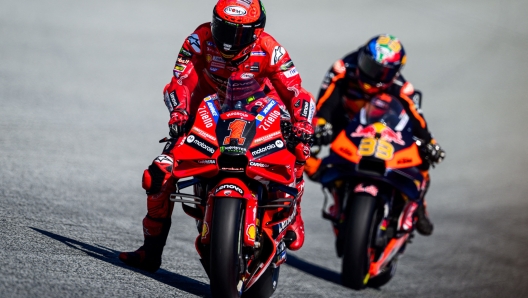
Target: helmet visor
[373, 72]
[230, 37]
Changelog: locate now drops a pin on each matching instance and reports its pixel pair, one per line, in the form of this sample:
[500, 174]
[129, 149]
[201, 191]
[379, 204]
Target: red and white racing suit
[200, 71]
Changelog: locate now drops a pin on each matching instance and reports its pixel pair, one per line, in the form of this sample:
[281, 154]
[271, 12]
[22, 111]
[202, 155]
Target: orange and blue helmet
[379, 61]
[236, 25]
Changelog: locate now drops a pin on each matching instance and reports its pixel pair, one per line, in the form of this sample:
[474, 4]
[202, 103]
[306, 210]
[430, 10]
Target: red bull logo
[379, 130]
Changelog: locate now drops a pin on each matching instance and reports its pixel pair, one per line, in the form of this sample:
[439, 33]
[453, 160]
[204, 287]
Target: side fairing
[199, 152]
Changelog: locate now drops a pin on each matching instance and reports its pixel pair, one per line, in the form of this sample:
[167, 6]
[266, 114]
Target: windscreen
[243, 95]
[386, 110]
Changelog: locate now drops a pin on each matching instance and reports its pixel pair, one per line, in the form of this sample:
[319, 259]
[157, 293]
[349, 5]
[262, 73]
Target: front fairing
[236, 141]
[379, 148]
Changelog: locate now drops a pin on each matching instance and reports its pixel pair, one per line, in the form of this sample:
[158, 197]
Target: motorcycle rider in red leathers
[234, 42]
[351, 82]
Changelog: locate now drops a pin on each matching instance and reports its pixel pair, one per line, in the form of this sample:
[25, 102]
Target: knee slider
[153, 179]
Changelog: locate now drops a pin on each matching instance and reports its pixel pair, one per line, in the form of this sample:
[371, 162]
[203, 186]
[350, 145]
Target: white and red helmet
[236, 25]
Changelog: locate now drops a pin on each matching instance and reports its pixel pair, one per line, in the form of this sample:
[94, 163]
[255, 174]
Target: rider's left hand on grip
[435, 153]
[302, 151]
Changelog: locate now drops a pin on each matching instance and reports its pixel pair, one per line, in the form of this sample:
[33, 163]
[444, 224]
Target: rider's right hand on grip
[177, 123]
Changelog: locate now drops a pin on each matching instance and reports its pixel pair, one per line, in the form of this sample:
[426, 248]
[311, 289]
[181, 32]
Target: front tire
[265, 285]
[360, 223]
[226, 248]
[384, 277]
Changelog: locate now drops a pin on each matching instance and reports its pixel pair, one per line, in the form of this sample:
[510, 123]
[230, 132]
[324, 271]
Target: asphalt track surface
[81, 111]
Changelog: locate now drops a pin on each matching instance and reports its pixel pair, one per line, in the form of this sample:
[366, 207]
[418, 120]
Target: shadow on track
[315, 270]
[108, 255]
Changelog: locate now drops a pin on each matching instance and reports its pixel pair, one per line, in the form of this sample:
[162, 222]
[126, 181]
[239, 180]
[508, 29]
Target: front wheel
[360, 223]
[226, 248]
[384, 277]
[265, 285]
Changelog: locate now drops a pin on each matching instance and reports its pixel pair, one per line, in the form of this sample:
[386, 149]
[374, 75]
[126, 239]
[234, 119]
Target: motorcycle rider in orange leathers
[351, 82]
[233, 42]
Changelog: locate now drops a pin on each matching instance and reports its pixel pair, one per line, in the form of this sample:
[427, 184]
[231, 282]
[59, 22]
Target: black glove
[177, 123]
[323, 133]
[434, 153]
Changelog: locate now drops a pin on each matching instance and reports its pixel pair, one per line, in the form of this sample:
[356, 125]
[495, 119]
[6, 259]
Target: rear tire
[360, 223]
[265, 285]
[226, 248]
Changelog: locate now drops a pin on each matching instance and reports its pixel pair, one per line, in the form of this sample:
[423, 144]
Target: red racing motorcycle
[236, 156]
[372, 174]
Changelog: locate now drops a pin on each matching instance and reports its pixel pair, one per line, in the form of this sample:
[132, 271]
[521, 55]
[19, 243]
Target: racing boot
[424, 226]
[294, 238]
[148, 256]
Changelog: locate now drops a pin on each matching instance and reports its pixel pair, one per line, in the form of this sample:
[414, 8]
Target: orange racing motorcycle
[373, 177]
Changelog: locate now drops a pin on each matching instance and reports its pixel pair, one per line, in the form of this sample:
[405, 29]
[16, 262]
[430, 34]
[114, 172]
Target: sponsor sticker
[213, 110]
[218, 59]
[255, 67]
[201, 145]
[269, 120]
[312, 112]
[266, 149]
[164, 159]
[291, 73]
[278, 53]
[234, 149]
[204, 134]
[251, 232]
[174, 99]
[185, 52]
[235, 11]
[258, 164]
[237, 113]
[208, 122]
[168, 102]
[207, 161]
[213, 69]
[218, 65]
[287, 66]
[306, 109]
[267, 137]
[370, 189]
[194, 40]
[246, 3]
[246, 76]
[205, 229]
[183, 60]
[258, 53]
[229, 187]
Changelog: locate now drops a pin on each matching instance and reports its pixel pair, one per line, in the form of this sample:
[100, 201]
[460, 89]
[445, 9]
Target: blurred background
[81, 111]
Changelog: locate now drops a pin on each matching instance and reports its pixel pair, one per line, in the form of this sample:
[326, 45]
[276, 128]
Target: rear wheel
[360, 223]
[226, 248]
